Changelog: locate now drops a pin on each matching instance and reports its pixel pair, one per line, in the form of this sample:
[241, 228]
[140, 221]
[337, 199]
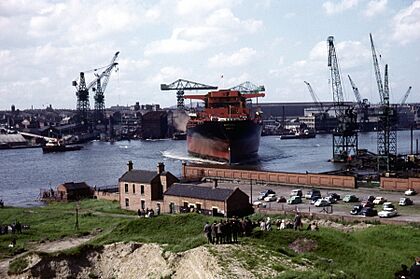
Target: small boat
[179, 136]
[307, 134]
[55, 145]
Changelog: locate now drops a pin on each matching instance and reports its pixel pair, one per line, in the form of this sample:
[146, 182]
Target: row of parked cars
[365, 208]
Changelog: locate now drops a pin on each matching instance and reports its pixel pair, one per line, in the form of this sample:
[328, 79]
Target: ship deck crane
[181, 85]
[345, 140]
[387, 134]
[404, 99]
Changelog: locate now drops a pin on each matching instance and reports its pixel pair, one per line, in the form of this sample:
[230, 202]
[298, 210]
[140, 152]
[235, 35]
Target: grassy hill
[373, 252]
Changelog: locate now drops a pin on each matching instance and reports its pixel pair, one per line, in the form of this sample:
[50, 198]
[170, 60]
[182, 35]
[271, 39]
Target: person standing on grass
[297, 222]
[219, 232]
[415, 269]
[213, 232]
[207, 232]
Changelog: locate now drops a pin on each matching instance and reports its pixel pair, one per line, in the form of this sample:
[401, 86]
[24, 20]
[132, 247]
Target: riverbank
[376, 250]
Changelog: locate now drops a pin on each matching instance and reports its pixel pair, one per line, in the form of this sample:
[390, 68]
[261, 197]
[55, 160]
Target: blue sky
[45, 44]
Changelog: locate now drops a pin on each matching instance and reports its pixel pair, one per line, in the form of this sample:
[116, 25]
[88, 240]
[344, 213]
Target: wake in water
[184, 157]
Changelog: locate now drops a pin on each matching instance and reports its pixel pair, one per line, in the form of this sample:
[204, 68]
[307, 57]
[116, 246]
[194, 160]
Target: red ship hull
[228, 141]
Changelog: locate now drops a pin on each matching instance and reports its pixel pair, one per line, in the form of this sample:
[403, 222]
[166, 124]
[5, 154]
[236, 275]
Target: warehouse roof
[199, 192]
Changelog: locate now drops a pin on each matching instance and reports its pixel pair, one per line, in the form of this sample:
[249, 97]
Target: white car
[410, 192]
[322, 202]
[388, 206]
[387, 213]
[258, 203]
[270, 197]
[379, 200]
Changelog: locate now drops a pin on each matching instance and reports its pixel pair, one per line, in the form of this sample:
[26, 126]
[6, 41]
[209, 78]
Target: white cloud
[219, 28]
[289, 15]
[375, 7]
[166, 75]
[239, 58]
[339, 7]
[406, 24]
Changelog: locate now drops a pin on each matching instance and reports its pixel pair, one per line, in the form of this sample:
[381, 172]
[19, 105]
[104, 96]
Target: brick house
[206, 200]
[142, 189]
[73, 191]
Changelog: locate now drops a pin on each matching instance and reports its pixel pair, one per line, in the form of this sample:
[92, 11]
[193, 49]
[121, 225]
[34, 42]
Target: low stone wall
[103, 195]
[400, 184]
[305, 179]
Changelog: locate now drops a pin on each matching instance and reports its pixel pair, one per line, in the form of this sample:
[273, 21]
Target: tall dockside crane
[101, 84]
[82, 91]
[362, 105]
[387, 134]
[181, 85]
[345, 140]
[404, 99]
[315, 98]
[82, 94]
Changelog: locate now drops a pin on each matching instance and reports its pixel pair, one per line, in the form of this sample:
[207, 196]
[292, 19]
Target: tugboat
[55, 145]
[225, 130]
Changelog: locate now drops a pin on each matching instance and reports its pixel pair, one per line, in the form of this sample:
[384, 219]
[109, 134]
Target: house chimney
[130, 165]
[215, 184]
[160, 168]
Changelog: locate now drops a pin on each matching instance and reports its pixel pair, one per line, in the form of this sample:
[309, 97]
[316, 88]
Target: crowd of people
[13, 228]
[148, 213]
[227, 231]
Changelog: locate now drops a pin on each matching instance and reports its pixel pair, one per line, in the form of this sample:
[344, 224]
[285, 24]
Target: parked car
[350, 198]
[410, 192]
[259, 203]
[296, 192]
[294, 200]
[370, 198]
[387, 213]
[368, 212]
[314, 199]
[281, 199]
[367, 203]
[388, 206]
[313, 193]
[379, 200]
[405, 201]
[330, 199]
[270, 197]
[356, 210]
[322, 203]
[334, 196]
[265, 193]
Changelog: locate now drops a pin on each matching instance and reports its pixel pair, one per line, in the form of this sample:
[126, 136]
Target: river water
[24, 172]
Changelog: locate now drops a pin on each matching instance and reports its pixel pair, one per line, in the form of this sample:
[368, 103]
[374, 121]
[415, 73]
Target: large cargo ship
[224, 130]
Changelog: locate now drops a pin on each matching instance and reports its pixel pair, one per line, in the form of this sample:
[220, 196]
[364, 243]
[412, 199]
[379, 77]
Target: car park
[350, 198]
[368, 212]
[356, 210]
[405, 201]
[322, 203]
[387, 213]
[410, 192]
[313, 193]
[379, 200]
[294, 200]
[270, 197]
[296, 192]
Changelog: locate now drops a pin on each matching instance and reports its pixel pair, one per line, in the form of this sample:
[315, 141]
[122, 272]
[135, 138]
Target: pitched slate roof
[139, 176]
[199, 192]
[75, 185]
